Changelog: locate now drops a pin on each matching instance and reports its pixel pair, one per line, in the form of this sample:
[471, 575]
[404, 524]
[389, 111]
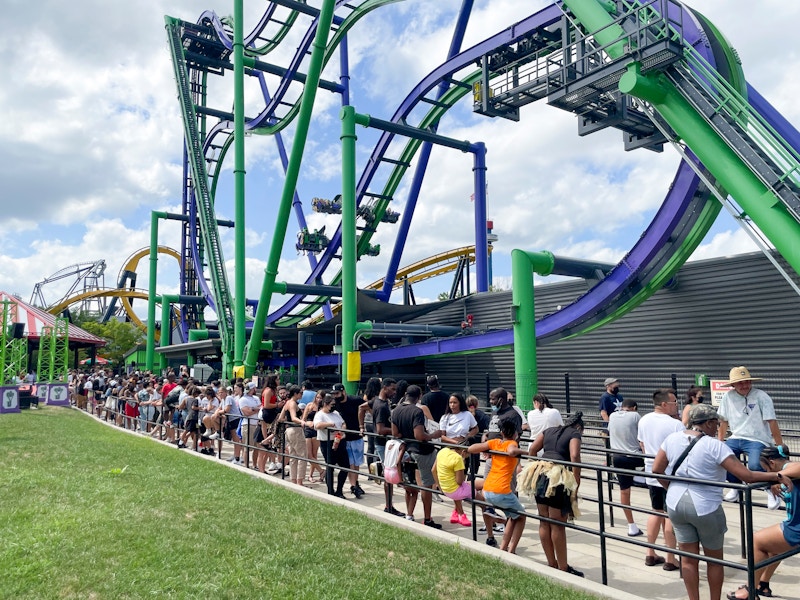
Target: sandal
[764, 589]
[732, 595]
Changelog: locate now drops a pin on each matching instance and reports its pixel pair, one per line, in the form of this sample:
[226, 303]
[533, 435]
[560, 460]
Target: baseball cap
[700, 413]
[251, 385]
[337, 387]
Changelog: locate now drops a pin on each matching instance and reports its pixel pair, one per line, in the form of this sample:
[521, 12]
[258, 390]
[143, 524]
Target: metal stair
[202, 197]
[767, 155]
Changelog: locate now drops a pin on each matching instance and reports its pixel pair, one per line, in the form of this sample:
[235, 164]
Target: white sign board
[718, 390]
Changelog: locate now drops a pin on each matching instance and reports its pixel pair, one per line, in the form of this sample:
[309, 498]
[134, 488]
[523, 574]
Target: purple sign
[9, 399]
[57, 394]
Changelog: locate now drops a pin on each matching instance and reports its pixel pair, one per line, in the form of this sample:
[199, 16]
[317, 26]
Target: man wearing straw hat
[750, 415]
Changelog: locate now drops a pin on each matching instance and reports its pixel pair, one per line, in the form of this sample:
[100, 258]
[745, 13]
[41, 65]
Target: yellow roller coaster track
[124, 294]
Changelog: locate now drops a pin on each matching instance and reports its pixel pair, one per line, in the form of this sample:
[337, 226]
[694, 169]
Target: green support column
[239, 330]
[523, 266]
[349, 252]
[290, 183]
[151, 290]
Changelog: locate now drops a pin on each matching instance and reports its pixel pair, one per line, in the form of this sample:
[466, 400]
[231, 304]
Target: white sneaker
[731, 496]
[214, 436]
[773, 501]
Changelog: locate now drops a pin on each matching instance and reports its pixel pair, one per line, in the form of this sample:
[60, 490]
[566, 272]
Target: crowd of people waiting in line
[301, 423]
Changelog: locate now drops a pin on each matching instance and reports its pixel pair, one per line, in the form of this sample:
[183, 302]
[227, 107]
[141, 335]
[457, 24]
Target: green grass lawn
[87, 511]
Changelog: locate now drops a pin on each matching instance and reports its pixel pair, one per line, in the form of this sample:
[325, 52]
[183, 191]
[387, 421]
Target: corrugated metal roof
[36, 318]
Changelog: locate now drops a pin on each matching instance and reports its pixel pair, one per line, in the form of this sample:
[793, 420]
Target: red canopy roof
[35, 319]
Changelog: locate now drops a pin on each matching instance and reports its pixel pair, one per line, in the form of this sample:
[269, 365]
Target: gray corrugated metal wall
[721, 313]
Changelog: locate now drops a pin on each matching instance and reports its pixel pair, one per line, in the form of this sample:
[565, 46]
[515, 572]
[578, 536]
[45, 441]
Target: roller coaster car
[312, 241]
[373, 250]
[390, 216]
[331, 207]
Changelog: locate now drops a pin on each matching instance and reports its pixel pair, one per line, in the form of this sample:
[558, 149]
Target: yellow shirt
[447, 463]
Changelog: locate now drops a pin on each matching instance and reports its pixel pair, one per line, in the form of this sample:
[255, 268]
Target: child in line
[497, 486]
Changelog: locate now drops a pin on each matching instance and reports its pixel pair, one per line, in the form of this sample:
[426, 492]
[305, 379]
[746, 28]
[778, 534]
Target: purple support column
[481, 242]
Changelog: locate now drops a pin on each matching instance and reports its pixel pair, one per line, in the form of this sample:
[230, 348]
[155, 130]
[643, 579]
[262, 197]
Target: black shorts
[191, 426]
[231, 426]
[630, 463]
[560, 499]
[658, 498]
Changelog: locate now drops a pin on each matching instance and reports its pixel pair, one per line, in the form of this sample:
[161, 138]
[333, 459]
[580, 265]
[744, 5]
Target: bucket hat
[738, 374]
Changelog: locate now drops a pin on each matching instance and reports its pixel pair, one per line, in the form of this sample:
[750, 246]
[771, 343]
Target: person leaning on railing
[781, 537]
[695, 509]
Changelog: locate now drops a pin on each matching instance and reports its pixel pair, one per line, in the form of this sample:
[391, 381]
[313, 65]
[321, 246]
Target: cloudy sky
[91, 142]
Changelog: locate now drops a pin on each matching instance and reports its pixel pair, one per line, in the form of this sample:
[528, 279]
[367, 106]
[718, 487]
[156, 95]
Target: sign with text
[718, 388]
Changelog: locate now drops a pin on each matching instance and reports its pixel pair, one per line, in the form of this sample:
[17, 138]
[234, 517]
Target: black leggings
[338, 458]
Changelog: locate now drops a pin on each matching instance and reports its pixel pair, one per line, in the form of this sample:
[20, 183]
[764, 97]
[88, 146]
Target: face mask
[614, 389]
[495, 408]
[700, 399]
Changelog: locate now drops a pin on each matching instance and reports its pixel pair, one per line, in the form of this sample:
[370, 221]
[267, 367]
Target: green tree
[121, 337]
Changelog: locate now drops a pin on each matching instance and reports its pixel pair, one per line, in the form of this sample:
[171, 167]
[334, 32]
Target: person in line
[250, 408]
[749, 414]
[449, 471]
[543, 416]
[291, 418]
[232, 420]
[272, 404]
[332, 444]
[694, 396]
[371, 391]
[497, 487]
[348, 406]
[310, 434]
[436, 400]
[781, 537]
[653, 430]
[408, 422]
[623, 431]
[611, 400]
[555, 486]
[695, 510]
[382, 419]
[458, 423]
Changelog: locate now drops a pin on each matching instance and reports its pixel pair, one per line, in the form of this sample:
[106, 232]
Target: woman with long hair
[371, 390]
[555, 486]
[694, 396]
[312, 443]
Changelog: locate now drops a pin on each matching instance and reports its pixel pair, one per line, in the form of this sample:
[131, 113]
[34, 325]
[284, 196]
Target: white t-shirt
[653, 430]
[538, 421]
[623, 430]
[703, 462]
[746, 416]
[324, 417]
[458, 424]
[248, 401]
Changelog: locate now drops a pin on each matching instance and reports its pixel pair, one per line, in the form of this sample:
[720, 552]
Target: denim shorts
[355, 452]
[508, 503]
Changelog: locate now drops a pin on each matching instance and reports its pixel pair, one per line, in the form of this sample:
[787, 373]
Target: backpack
[394, 451]
[172, 399]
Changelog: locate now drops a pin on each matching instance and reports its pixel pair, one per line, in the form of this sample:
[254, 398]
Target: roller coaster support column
[151, 293]
[349, 252]
[290, 183]
[523, 266]
[481, 240]
[422, 162]
[238, 182]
